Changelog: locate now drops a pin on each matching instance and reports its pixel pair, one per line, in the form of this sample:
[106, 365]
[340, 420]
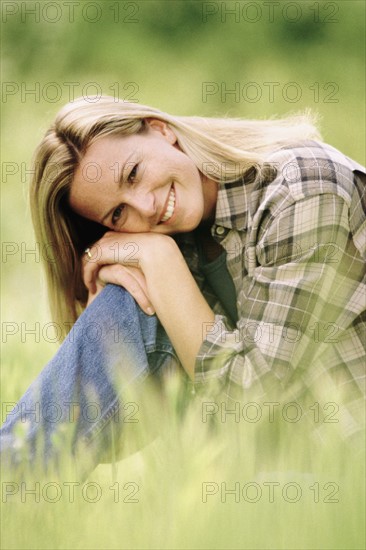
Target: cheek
[185, 165]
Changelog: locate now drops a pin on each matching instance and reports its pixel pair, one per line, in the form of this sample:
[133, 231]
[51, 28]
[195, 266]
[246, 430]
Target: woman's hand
[131, 278]
[127, 249]
[117, 258]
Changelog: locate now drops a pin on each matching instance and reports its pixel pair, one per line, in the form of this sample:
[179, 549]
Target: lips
[170, 205]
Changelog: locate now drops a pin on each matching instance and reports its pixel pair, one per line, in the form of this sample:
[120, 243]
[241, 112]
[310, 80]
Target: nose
[144, 203]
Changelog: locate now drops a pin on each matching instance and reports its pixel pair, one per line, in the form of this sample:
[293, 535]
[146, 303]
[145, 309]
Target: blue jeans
[78, 397]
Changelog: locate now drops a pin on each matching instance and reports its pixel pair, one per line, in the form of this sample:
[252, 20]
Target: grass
[222, 483]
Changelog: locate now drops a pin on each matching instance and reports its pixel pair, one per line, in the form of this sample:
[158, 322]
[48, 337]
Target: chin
[185, 226]
[182, 229]
[190, 226]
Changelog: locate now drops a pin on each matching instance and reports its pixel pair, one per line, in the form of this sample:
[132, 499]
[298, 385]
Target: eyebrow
[120, 181]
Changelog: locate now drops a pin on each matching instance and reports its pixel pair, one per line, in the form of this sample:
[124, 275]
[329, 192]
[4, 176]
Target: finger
[119, 275]
[104, 252]
[112, 248]
[90, 267]
[139, 276]
[91, 297]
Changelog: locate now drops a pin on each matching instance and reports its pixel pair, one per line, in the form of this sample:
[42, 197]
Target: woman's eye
[117, 214]
[132, 174]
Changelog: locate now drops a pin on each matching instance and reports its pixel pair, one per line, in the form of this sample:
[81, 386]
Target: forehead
[102, 163]
[103, 152]
[94, 178]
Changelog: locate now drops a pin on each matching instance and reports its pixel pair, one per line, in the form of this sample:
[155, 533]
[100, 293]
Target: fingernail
[150, 311]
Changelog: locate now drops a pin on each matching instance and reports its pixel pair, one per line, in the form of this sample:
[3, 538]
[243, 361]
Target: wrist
[159, 250]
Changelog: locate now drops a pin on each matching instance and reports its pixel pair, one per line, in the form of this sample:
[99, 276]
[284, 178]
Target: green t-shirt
[219, 279]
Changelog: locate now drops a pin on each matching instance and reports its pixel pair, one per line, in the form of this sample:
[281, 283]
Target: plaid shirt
[295, 248]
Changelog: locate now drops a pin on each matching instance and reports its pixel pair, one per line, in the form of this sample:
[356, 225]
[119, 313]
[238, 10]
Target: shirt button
[220, 230]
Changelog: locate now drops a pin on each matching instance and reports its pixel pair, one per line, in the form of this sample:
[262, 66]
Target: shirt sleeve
[299, 309]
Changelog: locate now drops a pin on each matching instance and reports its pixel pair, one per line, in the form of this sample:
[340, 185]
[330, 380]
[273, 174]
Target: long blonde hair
[238, 145]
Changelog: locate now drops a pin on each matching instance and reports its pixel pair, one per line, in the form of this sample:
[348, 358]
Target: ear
[162, 128]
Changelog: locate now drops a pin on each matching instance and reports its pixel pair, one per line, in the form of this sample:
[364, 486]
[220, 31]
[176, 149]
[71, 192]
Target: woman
[230, 250]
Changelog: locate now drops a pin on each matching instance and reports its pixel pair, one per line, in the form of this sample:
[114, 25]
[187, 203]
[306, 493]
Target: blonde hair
[212, 143]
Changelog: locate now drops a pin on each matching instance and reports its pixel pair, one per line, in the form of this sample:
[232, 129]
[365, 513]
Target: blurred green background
[180, 56]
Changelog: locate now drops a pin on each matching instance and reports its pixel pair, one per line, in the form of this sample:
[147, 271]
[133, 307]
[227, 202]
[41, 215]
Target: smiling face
[142, 183]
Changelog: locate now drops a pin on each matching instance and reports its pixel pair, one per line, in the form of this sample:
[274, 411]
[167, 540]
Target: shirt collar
[238, 201]
[233, 206]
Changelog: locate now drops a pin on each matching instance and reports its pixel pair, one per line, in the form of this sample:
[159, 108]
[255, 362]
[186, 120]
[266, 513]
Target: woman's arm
[170, 287]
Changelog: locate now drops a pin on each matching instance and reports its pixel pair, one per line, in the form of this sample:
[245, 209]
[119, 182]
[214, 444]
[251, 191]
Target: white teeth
[170, 208]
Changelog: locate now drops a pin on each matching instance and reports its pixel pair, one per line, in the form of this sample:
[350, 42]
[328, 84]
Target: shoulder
[314, 180]
[307, 168]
